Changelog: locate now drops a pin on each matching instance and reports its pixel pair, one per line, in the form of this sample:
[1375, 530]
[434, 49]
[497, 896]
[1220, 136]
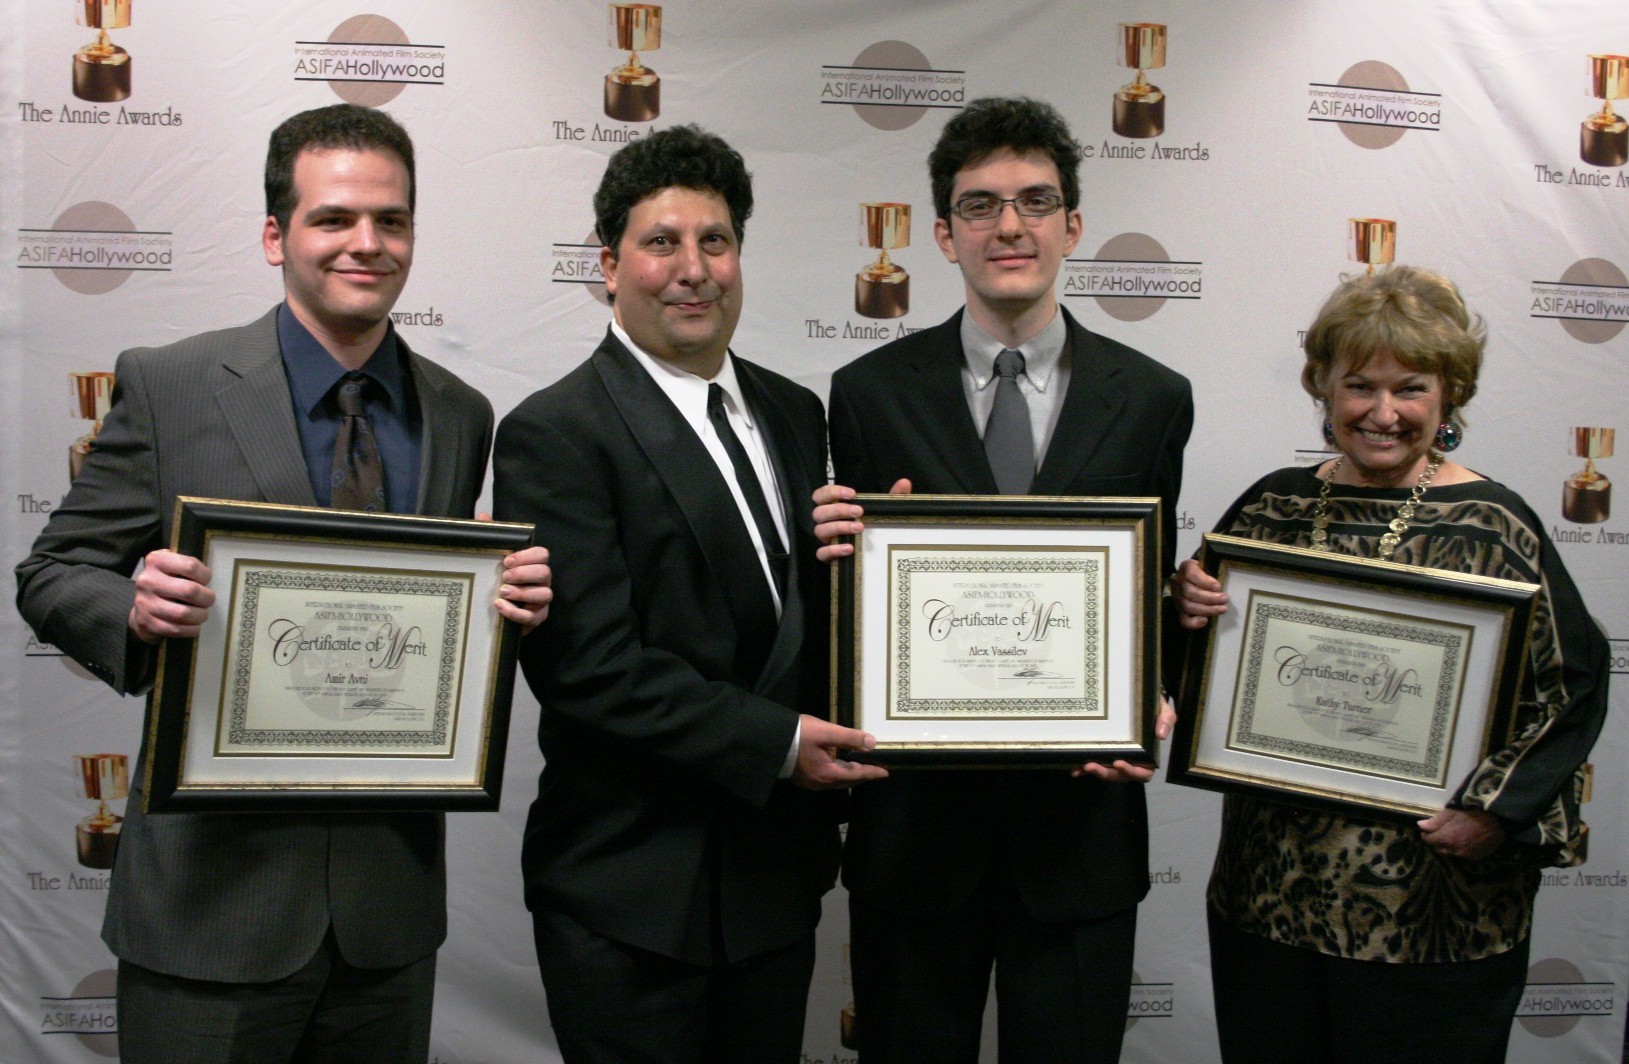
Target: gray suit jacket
[236, 897]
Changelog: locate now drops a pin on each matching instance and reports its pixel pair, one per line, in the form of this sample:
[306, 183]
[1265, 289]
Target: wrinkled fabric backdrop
[1209, 246]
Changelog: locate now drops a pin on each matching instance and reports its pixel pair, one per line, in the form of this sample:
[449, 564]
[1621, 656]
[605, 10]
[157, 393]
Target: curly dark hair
[676, 157]
[1016, 123]
[341, 125]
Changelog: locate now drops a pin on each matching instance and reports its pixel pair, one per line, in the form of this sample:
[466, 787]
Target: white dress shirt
[689, 393]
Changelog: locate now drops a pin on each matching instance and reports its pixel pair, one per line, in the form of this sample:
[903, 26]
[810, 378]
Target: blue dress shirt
[392, 408]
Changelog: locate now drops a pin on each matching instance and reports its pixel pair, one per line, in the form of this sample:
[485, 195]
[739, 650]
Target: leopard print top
[1372, 890]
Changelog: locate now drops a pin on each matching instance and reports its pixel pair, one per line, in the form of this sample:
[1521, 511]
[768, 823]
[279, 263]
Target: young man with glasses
[1037, 872]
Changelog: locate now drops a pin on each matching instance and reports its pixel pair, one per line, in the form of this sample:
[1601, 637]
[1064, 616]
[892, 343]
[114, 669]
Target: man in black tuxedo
[272, 937]
[1036, 872]
[680, 843]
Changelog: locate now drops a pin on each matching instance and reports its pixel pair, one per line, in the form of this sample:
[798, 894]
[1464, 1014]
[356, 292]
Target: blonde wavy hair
[1415, 316]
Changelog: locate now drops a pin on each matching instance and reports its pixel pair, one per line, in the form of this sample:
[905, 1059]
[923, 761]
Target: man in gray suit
[272, 937]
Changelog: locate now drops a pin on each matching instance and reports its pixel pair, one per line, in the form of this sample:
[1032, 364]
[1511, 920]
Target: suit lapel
[441, 441]
[788, 460]
[255, 403]
[1091, 408]
[937, 410]
[693, 482]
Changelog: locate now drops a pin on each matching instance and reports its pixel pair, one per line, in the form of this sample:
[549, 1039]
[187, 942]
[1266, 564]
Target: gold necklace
[1399, 524]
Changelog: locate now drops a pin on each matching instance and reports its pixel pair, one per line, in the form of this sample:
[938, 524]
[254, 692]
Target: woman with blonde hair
[1339, 938]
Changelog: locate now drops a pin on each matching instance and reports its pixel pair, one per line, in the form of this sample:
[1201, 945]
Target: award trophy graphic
[102, 68]
[1587, 497]
[1371, 241]
[93, 395]
[633, 92]
[882, 289]
[1603, 139]
[1139, 108]
[102, 777]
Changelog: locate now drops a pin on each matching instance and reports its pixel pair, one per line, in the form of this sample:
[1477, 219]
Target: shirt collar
[686, 389]
[1041, 352]
[313, 372]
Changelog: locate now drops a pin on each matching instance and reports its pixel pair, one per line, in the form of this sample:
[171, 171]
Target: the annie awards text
[1573, 176]
[96, 116]
[816, 329]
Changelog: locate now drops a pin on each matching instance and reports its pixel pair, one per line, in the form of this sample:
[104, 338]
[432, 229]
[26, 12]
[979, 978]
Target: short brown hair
[1415, 316]
[337, 127]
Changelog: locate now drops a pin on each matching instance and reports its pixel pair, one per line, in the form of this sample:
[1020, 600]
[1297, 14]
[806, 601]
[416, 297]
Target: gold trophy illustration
[1371, 241]
[93, 395]
[633, 92]
[1139, 108]
[1587, 498]
[104, 778]
[1603, 139]
[883, 289]
[102, 68]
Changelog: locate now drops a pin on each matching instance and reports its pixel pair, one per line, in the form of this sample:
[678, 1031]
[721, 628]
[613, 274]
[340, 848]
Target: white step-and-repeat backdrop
[130, 208]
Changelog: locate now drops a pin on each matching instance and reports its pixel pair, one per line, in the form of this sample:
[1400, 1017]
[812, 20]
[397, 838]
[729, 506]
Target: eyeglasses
[988, 208]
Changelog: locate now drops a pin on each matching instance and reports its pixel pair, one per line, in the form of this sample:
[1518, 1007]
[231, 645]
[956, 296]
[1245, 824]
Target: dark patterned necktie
[358, 479]
[747, 479]
[1008, 443]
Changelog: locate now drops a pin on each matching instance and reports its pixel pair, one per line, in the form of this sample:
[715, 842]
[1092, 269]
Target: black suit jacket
[1078, 848]
[220, 896]
[669, 692]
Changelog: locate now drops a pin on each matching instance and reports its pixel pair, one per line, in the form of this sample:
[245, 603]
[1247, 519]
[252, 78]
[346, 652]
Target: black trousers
[327, 1012]
[1278, 1004]
[920, 983]
[611, 1003]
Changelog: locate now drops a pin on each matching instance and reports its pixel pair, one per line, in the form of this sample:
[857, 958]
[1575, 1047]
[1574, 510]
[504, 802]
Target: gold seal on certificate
[1348, 683]
[1000, 631]
[352, 661]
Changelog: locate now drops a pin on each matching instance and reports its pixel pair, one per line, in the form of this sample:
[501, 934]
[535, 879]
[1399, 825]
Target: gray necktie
[1008, 443]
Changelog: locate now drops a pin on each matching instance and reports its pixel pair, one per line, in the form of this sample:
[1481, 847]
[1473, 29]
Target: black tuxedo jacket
[221, 896]
[669, 691]
[1078, 847]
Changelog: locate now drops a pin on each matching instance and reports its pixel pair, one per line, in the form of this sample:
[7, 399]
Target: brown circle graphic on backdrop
[891, 55]
[98, 984]
[367, 29]
[1594, 272]
[1372, 74]
[1131, 248]
[93, 216]
[1551, 970]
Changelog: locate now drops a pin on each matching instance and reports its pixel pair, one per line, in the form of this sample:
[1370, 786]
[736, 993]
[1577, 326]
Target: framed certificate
[351, 661]
[1349, 684]
[1000, 631]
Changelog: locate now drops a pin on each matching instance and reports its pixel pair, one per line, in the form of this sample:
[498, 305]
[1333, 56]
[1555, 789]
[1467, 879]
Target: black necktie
[358, 478]
[1008, 443]
[747, 479]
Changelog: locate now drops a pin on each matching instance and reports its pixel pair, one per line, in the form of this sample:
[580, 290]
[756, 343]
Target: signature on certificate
[372, 704]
